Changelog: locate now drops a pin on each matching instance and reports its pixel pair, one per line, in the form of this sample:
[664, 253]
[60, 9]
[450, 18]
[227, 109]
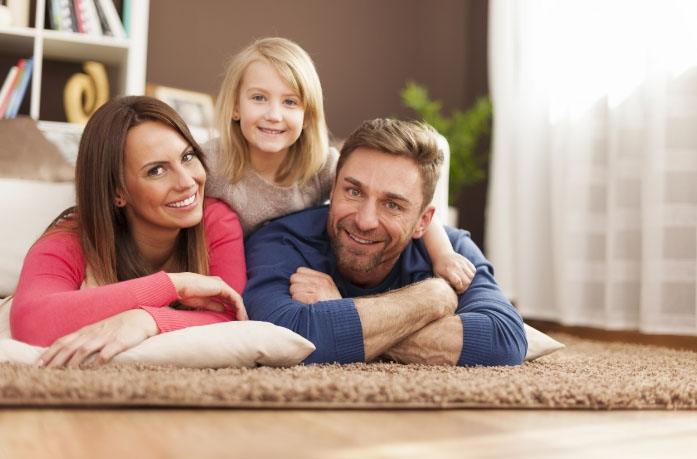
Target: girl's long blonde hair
[308, 154]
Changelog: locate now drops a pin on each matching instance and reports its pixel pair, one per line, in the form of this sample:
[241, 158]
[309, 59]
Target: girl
[141, 239]
[273, 156]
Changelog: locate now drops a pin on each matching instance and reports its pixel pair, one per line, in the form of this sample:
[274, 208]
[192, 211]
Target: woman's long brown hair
[106, 241]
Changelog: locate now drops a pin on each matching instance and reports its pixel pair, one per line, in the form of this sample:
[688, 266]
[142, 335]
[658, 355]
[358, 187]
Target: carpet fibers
[585, 375]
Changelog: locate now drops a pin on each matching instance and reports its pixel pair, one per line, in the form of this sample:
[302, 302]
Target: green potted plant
[463, 131]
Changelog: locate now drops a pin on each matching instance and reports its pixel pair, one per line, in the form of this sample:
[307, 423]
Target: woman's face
[164, 181]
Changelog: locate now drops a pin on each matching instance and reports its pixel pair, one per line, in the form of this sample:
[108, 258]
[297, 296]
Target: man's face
[375, 211]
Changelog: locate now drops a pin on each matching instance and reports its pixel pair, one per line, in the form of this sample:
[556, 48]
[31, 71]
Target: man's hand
[103, 339]
[309, 286]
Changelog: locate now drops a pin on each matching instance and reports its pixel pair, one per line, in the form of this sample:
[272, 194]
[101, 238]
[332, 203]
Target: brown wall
[364, 50]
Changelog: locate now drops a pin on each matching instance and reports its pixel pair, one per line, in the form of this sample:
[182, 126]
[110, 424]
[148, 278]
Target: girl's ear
[236, 112]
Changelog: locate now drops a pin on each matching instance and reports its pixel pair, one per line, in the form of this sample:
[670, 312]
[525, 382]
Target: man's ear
[424, 222]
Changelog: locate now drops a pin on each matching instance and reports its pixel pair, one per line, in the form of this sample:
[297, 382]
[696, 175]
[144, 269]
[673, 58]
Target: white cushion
[539, 344]
[227, 344]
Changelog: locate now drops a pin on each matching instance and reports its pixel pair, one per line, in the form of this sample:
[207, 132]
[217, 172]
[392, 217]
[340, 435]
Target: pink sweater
[49, 303]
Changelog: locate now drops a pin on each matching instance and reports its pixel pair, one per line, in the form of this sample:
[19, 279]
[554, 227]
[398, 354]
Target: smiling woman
[142, 240]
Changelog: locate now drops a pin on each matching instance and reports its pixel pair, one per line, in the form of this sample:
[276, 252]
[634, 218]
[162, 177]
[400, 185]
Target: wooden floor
[55, 434]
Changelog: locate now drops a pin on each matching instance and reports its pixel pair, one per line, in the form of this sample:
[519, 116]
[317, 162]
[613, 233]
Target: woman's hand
[207, 292]
[103, 340]
[455, 269]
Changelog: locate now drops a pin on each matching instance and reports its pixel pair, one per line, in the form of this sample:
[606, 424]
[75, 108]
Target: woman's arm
[225, 244]
[49, 303]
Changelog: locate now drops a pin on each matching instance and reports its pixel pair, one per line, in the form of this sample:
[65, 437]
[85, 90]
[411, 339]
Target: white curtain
[592, 211]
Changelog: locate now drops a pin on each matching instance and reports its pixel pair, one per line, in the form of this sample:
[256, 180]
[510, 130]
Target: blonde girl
[273, 156]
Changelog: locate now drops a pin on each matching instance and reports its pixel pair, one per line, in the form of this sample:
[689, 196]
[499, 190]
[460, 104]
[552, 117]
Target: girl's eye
[258, 98]
[292, 102]
[156, 171]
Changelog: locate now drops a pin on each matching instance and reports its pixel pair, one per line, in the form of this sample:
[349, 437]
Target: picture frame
[196, 108]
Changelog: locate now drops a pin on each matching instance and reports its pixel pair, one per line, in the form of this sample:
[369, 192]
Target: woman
[142, 252]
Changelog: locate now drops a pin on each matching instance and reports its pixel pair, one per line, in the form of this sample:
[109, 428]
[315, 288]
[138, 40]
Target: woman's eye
[155, 171]
[189, 156]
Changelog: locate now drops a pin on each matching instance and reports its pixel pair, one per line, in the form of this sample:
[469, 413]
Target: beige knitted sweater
[256, 200]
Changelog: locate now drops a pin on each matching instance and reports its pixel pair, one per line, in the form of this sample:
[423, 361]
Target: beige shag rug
[585, 375]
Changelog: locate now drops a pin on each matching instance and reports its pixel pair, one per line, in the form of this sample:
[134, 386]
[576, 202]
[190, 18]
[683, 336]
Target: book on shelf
[92, 17]
[20, 89]
[14, 76]
[15, 88]
[62, 16]
[7, 87]
[111, 15]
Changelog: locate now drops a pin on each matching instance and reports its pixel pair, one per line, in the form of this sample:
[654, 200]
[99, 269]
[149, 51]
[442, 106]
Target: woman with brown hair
[142, 252]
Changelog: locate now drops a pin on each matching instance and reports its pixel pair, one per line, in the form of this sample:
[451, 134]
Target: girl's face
[164, 181]
[271, 113]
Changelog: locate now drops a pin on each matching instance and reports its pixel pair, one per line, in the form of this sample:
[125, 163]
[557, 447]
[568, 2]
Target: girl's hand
[207, 292]
[455, 269]
[103, 340]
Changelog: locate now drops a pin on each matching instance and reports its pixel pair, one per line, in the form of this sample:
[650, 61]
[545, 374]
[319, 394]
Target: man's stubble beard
[349, 261]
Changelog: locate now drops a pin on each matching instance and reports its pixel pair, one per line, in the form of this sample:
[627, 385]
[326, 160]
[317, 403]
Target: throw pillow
[26, 154]
[227, 344]
[539, 344]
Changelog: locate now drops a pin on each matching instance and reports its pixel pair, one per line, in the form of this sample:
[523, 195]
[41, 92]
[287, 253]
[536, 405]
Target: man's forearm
[438, 343]
[390, 318]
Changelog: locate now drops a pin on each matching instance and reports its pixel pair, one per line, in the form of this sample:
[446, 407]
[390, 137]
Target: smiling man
[355, 277]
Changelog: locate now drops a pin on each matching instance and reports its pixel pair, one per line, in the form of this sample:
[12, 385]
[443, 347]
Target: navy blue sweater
[492, 329]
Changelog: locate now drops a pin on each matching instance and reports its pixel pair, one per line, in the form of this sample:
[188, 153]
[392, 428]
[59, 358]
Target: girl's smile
[271, 113]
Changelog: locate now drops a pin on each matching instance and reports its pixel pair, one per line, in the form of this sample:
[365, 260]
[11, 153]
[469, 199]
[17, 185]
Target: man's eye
[392, 205]
[354, 192]
[155, 171]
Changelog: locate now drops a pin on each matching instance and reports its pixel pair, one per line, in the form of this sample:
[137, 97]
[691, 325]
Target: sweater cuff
[476, 340]
[348, 331]
[156, 290]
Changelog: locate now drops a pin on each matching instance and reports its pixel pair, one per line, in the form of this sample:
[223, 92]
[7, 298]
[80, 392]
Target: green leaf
[464, 132]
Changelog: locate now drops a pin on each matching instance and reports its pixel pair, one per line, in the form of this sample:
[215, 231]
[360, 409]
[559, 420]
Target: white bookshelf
[128, 56]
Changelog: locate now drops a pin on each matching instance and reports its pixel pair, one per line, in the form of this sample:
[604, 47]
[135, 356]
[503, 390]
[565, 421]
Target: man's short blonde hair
[412, 139]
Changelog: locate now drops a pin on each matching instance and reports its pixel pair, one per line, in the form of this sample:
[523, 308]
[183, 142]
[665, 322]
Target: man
[355, 278]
